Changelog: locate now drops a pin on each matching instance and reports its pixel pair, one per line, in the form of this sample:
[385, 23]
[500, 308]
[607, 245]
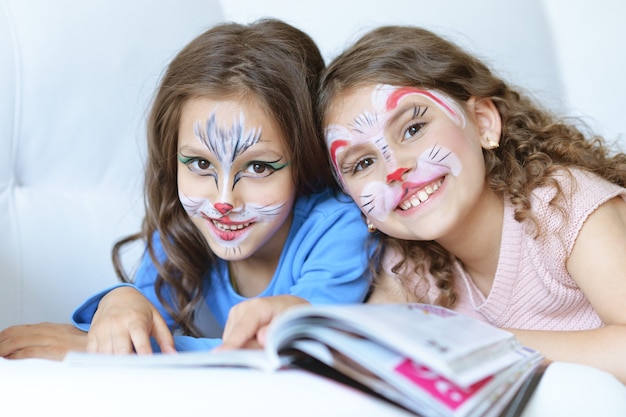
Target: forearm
[602, 348]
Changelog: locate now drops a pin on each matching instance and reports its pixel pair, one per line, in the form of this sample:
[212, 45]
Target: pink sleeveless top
[532, 288]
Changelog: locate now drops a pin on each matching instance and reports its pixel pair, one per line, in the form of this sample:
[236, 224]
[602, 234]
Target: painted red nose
[223, 207]
[396, 175]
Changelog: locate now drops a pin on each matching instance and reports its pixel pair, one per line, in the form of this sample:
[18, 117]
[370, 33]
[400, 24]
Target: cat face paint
[233, 177]
[394, 147]
[370, 125]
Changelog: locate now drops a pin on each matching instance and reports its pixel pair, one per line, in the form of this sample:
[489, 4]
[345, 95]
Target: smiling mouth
[421, 196]
[229, 227]
[228, 231]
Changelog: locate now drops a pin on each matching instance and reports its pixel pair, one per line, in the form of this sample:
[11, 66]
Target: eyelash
[352, 169]
[419, 126]
[359, 164]
[271, 166]
[192, 164]
[418, 113]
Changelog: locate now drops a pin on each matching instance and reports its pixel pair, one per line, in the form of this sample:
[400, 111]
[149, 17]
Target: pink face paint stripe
[396, 96]
[334, 147]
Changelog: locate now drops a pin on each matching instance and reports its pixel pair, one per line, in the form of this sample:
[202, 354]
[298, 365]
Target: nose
[223, 208]
[397, 175]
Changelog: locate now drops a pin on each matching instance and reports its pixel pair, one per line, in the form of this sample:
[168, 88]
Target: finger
[15, 338]
[99, 342]
[251, 344]
[261, 336]
[41, 352]
[121, 341]
[240, 333]
[140, 341]
[6, 346]
[92, 343]
[162, 335]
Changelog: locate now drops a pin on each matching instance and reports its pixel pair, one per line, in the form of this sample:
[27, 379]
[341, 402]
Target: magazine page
[247, 358]
[413, 385]
[461, 348]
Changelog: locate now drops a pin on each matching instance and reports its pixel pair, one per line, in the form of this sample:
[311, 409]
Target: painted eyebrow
[214, 135]
[416, 110]
[363, 121]
[193, 150]
[350, 152]
[261, 153]
[255, 151]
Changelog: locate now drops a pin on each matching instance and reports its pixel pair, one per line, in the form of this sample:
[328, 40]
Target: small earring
[370, 227]
[492, 144]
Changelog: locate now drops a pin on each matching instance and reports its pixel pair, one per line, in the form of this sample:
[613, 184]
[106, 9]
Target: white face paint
[379, 198]
[394, 148]
[233, 177]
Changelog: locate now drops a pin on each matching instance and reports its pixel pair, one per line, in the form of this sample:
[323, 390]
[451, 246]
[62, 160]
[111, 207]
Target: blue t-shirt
[323, 261]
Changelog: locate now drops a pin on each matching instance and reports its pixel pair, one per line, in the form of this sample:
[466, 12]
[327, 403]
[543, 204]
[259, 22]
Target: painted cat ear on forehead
[487, 119]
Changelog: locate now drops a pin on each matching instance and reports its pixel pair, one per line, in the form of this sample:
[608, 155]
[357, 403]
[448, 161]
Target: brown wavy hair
[534, 143]
[269, 62]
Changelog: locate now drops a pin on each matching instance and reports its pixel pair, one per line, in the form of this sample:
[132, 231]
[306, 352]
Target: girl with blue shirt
[240, 202]
[241, 205]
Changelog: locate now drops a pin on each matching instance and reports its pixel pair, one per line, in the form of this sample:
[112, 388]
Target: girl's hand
[41, 340]
[124, 322]
[247, 322]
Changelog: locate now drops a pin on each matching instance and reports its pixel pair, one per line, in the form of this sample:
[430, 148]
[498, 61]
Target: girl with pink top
[480, 200]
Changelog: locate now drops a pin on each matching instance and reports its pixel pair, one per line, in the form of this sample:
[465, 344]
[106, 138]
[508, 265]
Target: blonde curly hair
[534, 143]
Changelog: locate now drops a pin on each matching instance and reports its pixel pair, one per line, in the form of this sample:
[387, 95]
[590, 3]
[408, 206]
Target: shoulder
[328, 205]
[325, 201]
[328, 216]
[575, 182]
[157, 247]
[583, 194]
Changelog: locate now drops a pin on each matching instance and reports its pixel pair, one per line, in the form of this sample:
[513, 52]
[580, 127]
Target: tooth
[429, 189]
[415, 201]
[422, 195]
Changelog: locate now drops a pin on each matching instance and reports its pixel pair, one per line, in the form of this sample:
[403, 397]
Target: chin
[234, 253]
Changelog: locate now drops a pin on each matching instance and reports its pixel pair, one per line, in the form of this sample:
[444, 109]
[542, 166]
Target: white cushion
[76, 81]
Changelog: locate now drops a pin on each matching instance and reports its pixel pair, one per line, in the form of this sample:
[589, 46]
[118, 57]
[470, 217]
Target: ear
[487, 120]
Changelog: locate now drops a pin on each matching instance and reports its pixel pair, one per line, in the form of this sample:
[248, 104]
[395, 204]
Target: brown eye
[199, 166]
[413, 130]
[203, 164]
[258, 168]
[363, 164]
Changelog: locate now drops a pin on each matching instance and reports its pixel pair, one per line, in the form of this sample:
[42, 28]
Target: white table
[40, 388]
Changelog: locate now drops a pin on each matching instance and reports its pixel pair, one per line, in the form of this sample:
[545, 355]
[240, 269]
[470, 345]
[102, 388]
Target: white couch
[76, 79]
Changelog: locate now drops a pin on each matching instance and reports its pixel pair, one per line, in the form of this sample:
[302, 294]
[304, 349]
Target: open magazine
[424, 358]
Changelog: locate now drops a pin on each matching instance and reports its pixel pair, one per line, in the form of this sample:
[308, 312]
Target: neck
[250, 277]
[477, 243]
